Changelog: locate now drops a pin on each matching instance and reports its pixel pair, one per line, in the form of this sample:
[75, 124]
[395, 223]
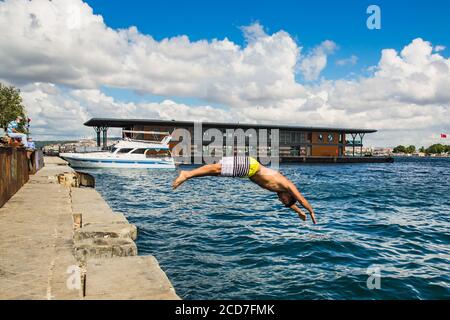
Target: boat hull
[76, 162]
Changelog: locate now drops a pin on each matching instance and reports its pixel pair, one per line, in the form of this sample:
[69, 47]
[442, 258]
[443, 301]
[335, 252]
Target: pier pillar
[361, 136]
[353, 142]
[105, 136]
[97, 131]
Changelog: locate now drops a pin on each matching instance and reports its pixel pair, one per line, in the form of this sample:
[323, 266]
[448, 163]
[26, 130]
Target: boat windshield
[139, 151]
[153, 153]
[121, 150]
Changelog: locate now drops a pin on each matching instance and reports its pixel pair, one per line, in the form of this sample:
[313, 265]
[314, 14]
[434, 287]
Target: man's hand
[297, 195]
[299, 212]
[313, 218]
[302, 215]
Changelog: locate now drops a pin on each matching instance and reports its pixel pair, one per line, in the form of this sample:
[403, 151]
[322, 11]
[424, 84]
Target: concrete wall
[36, 161]
[14, 172]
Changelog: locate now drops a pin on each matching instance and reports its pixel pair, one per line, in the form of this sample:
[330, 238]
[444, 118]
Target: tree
[436, 148]
[411, 149]
[399, 149]
[422, 149]
[10, 105]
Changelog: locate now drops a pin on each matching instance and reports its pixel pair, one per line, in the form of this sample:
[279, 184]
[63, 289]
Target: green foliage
[437, 148]
[402, 149]
[411, 149]
[10, 105]
[399, 149]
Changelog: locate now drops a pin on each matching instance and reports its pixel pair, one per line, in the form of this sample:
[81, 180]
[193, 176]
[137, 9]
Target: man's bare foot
[182, 177]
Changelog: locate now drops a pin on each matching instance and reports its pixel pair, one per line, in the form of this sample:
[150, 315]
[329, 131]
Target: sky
[286, 62]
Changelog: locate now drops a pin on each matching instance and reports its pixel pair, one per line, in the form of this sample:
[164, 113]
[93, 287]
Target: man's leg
[206, 170]
[22, 136]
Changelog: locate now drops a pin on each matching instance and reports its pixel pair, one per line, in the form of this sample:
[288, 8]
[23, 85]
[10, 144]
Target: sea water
[383, 231]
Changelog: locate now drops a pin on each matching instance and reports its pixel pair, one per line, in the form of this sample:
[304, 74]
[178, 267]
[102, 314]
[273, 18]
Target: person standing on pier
[248, 167]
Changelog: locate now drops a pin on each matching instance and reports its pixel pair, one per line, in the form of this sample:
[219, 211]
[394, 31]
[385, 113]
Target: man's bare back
[264, 177]
[270, 179]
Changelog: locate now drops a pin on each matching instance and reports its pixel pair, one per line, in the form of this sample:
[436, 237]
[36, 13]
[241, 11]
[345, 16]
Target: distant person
[12, 131]
[242, 166]
[31, 144]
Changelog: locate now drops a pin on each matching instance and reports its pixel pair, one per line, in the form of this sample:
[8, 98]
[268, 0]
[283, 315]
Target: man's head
[19, 119]
[30, 139]
[286, 198]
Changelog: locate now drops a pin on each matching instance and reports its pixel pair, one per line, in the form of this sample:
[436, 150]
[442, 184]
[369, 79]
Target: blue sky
[308, 22]
[75, 60]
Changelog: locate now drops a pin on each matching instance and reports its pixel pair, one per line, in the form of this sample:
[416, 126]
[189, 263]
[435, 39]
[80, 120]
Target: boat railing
[165, 140]
[163, 133]
[143, 141]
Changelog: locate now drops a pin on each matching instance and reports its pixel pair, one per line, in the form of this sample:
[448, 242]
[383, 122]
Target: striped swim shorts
[239, 166]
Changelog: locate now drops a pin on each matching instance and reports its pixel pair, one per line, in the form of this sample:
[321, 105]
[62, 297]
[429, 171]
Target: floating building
[296, 143]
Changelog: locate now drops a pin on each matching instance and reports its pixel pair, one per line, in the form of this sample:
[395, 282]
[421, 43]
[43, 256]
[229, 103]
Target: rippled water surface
[225, 238]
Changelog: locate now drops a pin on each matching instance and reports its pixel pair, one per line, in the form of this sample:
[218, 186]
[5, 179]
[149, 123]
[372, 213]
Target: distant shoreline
[420, 157]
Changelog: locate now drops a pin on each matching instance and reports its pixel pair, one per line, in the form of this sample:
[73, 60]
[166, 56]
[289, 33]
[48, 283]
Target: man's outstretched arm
[299, 197]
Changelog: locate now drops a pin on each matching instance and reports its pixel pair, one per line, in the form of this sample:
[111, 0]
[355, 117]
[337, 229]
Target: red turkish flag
[443, 135]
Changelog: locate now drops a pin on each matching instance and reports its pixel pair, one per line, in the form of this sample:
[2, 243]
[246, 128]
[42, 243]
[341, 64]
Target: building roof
[122, 123]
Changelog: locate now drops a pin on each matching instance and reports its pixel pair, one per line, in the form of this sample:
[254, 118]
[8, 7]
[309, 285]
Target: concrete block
[65, 281]
[88, 198]
[128, 278]
[102, 217]
[104, 248]
[77, 220]
[85, 179]
[54, 161]
[69, 179]
[98, 231]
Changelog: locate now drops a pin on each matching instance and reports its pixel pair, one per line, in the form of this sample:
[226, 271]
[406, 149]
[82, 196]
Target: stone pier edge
[100, 248]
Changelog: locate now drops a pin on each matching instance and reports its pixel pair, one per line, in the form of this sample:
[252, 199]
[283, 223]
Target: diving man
[243, 166]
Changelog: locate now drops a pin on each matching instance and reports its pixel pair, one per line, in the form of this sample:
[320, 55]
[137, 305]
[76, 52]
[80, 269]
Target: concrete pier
[60, 241]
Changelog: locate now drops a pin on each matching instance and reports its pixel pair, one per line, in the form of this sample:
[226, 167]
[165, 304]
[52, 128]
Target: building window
[292, 137]
[330, 137]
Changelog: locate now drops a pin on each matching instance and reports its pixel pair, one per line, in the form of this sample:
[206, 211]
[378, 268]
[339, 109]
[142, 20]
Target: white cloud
[63, 42]
[352, 60]
[253, 32]
[61, 54]
[439, 48]
[312, 65]
[60, 114]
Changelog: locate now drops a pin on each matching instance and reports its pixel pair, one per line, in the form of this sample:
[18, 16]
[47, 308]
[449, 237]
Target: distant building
[85, 145]
[382, 151]
[294, 141]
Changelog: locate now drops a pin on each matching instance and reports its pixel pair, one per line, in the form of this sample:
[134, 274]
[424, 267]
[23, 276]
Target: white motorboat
[127, 153]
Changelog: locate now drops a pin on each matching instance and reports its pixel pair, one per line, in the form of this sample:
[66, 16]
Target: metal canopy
[122, 123]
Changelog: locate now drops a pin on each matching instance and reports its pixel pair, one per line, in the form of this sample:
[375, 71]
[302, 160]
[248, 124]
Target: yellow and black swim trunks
[239, 166]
